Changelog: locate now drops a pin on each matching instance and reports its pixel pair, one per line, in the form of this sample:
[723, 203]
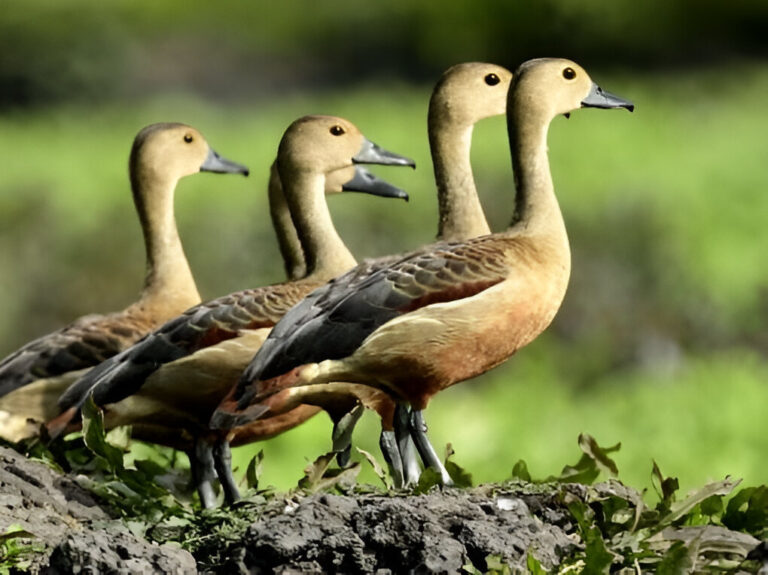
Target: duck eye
[492, 79]
[337, 130]
[188, 138]
[569, 73]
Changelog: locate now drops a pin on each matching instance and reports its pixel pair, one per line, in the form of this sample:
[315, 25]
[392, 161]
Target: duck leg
[405, 445]
[342, 434]
[222, 461]
[391, 453]
[203, 473]
[426, 451]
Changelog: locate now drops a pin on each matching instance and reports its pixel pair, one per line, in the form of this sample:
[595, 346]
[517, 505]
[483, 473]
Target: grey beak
[598, 98]
[365, 182]
[215, 163]
[370, 153]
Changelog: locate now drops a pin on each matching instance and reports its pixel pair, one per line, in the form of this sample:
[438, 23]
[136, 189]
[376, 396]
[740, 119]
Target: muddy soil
[439, 532]
[72, 532]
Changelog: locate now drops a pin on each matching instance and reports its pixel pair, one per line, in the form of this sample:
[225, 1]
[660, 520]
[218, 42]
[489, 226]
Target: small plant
[17, 548]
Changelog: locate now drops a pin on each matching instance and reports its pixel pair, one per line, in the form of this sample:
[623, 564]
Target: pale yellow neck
[537, 211]
[325, 253]
[460, 214]
[287, 238]
[169, 282]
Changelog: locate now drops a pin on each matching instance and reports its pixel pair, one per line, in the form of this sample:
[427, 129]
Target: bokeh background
[661, 342]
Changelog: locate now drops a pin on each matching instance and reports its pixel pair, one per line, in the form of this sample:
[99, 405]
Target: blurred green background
[661, 341]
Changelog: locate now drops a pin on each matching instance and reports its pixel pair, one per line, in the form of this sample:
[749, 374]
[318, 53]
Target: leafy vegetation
[17, 547]
[616, 526]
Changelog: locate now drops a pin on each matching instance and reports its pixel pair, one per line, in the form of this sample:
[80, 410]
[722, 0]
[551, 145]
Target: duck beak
[215, 163]
[598, 98]
[370, 153]
[365, 182]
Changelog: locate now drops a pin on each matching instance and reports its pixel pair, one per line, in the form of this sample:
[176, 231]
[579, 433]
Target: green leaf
[748, 511]
[679, 510]
[318, 477]
[377, 468]
[427, 480]
[598, 454]
[460, 477]
[15, 553]
[16, 532]
[597, 557]
[593, 461]
[149, 468]
[520, 471]
[665, 488]
[495, 565]
[712, 506]
[95, 438]
[253, 472]
[676, 560]
[533, 565]
[313, 472]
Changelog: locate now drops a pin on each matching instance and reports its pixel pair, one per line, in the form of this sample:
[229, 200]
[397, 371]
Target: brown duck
[465, 94]
[177, 375]
[161, 155]
[447, 312]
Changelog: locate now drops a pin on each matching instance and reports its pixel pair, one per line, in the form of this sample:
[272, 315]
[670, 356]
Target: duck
[25, 409]
[465, 94]
[160, 156]
[178, 373]
[449, 311]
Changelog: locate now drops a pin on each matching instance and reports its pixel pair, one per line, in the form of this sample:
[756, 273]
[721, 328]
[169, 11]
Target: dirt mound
[67, 531]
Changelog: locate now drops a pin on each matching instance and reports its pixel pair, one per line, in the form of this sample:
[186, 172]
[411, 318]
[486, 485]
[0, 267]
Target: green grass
[659, 345]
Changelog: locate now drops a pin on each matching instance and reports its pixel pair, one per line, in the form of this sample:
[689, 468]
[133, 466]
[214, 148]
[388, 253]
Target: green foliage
[460, 476]
[495, 565]
[430, 478]
[676, 560]
[748, 511]
[95, 437]
[533, 565]
[619, 530]
[318, 476]
[594, 460]
[616, 528]
[17, 548]
[377, 468]
[253, 473]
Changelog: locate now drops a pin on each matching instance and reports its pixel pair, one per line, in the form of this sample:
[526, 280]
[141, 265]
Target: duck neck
[460, 213]
[169, 283]
[287, 238]
[536, 209]
[325, 252]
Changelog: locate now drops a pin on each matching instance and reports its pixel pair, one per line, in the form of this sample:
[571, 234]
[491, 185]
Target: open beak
[370, 153]
[365, 182]
[598, 98]
[215, 163]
